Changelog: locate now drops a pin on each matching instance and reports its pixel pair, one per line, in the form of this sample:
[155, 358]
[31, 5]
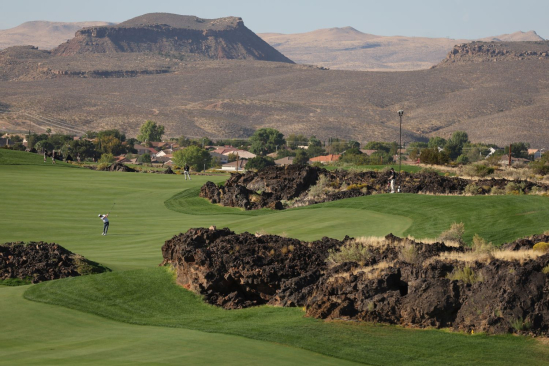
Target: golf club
[111, 208]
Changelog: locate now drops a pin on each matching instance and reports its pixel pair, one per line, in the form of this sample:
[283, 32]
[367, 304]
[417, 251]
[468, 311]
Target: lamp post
[400, 114]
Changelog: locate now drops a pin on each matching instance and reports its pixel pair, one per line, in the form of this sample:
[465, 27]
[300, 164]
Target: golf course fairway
[137, 315]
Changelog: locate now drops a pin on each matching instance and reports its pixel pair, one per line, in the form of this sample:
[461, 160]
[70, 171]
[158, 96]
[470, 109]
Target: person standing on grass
[53, 157]
[105, 223]
[45, 155]
[186, 171]
[392, 176]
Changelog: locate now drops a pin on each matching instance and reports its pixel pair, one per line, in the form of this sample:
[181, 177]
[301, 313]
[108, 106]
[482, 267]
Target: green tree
[43, 145]
[145, 158]
[301, 157]
[195, 156]
[109, 144]
[518, 150]
[114, 132]
[454, 145]
[294, 141]
[313, 141]
[436, 142]
[266, 140]
[107, 158]
[259, 162]
[314, 151]
[150, 131]
[83, 148]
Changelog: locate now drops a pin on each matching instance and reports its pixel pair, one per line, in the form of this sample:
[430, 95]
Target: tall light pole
[400, 114]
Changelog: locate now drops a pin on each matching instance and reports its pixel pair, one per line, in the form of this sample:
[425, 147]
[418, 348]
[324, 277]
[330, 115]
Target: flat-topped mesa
[223, 38]
[497, 51]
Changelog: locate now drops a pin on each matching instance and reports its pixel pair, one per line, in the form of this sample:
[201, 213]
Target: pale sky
[465, 19]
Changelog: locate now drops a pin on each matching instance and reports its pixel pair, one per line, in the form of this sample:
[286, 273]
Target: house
[5, 142]
[158, 145]
[141, 149]
[537, 153]
[235, 166]
[304, 147]
[225, 150]
[285, 161]
[243, 154]
[325, 159]
[222, 159]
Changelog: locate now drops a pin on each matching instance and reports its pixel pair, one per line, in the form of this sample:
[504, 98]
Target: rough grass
[163, 303]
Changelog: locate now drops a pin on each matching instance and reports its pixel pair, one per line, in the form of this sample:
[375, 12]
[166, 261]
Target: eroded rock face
[39, 261]
[418, 289]
[278, 187]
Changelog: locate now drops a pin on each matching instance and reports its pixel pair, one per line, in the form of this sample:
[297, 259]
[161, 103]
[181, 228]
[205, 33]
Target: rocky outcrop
[292, 185]
[224, 38]
[396, 281]
[241, 270]
[497, 51]
[39, 261]
[119, 167]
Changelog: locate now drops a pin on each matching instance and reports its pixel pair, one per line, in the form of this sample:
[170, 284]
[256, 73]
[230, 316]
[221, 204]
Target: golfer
[392, 176]
[186, 171]
[105, 223]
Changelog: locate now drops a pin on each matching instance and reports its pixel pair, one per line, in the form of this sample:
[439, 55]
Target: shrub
[102, 166]
[539, 167]
[545, 269]
[513, 188]
[356, 187]
[520, 324]
[495, 191]
[319, 187]
[478, 170]
[455, 233]
[480, 246]
[471, 189]
[541, 247]
[409, 254]
[465, 274]
[107, 158]
[351, 251]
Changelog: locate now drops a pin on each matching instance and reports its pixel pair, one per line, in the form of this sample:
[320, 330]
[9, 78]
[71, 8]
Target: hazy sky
[428, 18]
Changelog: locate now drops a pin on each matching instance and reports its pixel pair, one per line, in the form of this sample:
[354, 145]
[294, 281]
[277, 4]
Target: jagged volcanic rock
[417, 289]
[224, 38]
[39, 261]
[241, 270]
[497, 51]
[268, 187]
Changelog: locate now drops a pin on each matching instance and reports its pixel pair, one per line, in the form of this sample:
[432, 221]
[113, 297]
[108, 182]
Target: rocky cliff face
[497, 51]
[224, 38]
[396, 280]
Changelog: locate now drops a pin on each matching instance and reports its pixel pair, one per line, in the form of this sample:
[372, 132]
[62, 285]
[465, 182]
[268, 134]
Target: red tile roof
[326, 158]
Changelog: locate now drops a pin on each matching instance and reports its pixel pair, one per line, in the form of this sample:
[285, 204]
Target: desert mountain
[187, 36]
[519, 36]
[349, 49]
[496, 92]
[42, 34]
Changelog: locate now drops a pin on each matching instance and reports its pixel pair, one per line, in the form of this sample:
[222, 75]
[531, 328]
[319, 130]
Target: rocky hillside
[224, 38]
[388, 280]
[497, 51]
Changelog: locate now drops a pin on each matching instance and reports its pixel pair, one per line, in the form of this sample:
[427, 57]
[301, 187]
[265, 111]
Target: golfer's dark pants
[105, 227]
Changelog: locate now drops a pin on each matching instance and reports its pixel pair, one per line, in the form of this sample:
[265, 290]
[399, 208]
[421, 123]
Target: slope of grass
[39, 334]
[11, 157]
[162, 303]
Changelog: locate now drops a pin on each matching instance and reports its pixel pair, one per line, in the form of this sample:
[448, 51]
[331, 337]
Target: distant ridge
[189, 36]
[349, 49]
[42, 34]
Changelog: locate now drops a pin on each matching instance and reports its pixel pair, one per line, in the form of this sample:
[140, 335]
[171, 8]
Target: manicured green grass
[34, 333]
[11, 157]
[160, 302]
[41, 202]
